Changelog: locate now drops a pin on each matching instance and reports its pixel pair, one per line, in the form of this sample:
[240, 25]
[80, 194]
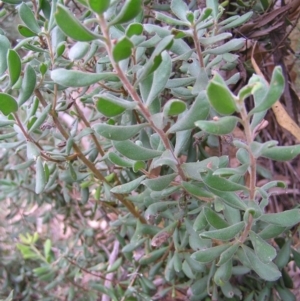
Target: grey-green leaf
[267, 271]
[118, 132]
[40, 176]
[135, 152]
[160, 182]
[225, 233]
[221, 126]
[275, 90]
[198, 111]
[286, 218]
[208, 255]
[28, 18]
[74, 78]
[263, 250]
[128, 187]
[4, 47]
[160, 77]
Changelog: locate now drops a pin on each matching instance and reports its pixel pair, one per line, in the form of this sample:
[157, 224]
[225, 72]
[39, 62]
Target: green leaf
[200, 222]
[160, 77]
[134, 245]
[208, 255]
[128, 187]
[267, 271]
[40, 180]
[99, 7]
[74, 78]
[111, 106]
[28, 85]
[215, 39]
[71, 26]
[39, 121]
[169, 20]
[225, 233]
[228, 254]
[4, 47]
[174, 107]
[221, 126]
[275, 90]
[179, 9]
[263, 250]
[152, 256]
[28, 18]
[197, 190]
[122, 50]
[130, 9]
[237, 22]
[26, 32]
[114, 158]
[120, 133]
[281, 153]
[223, 273]
[285, 294]
[271, 231]
[198, 111]
[156, 57]
[283, 256]
[7, 104]
[135, 152]
[232, 45]
[220, 97]
[14, 66]
[47, 248]
[220, 183]
[78, 51]
[287, 218]
[214, 219]
[160, 182]
[134, 29]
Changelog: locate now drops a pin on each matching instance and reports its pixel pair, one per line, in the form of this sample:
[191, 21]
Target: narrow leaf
[40, 176]
[28, 18]
[263, 250]
[220, 97]
[232, 45]
[221, 184]
[198, 111]
[119, 133]
[208, 255]
[71, 26]
[221, 126]
[225, 233]
[287, 218]
[160, 182]
[74, 78]
[281, 153]
[214, 219]
[267, 271]
[135, 152]
[14, 66]
[129, 11]
[4, 47]
[275, 90]
[128, 187]
[28, 85]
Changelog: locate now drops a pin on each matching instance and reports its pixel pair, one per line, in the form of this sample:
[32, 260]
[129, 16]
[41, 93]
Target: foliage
[110, 111]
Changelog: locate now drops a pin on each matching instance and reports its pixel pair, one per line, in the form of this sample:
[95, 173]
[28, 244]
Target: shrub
[115, 116]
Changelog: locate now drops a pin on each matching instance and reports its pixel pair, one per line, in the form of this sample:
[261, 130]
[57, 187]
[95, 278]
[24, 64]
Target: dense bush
[128, 166]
